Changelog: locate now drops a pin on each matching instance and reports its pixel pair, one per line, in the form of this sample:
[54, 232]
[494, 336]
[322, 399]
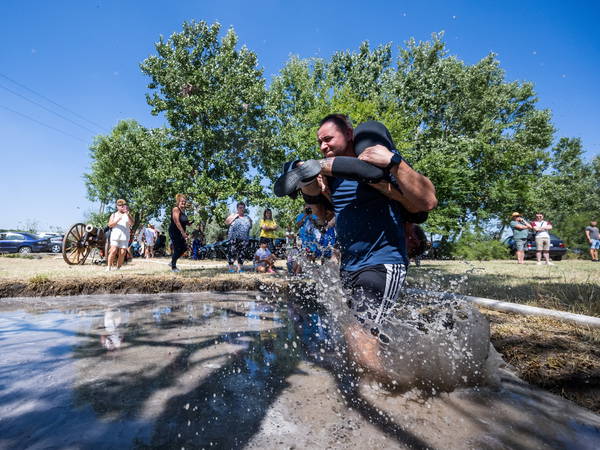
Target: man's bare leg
[365, 350]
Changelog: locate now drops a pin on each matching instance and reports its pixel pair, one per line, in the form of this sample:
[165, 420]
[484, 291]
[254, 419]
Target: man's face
[593, 223]
[539, 217]
[241, 209]
[333, 142]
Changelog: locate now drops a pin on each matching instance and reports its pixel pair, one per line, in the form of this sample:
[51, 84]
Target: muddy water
[231, 371]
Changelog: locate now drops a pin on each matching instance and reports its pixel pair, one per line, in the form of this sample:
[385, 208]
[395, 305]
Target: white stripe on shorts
[394, 280]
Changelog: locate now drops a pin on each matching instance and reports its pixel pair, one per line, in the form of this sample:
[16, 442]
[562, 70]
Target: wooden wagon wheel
[75, 248]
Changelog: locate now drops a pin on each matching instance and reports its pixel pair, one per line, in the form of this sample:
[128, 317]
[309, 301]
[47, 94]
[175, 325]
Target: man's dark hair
[342, 121]
[241, 204]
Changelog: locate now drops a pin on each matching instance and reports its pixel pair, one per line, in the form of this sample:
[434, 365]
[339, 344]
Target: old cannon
[81, 240]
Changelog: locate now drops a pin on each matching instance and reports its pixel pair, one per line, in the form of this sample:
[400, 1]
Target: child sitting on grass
[264, 259]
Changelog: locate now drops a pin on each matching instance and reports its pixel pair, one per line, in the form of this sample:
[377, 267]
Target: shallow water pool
[232, 371]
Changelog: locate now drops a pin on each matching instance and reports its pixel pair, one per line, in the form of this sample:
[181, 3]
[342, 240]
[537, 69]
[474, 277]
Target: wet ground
[230, 370]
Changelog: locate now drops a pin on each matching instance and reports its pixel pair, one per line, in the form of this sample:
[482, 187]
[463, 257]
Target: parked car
[21, 242]
[56, 244]
[56, 240]
[557, 247]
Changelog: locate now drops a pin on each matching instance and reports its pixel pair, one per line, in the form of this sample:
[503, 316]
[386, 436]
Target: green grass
[572, 286]
[19, 255]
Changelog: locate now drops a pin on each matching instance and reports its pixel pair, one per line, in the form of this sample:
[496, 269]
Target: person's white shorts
[119, 243]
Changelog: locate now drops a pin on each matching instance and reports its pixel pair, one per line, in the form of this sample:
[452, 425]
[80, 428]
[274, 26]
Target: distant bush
[479, 247]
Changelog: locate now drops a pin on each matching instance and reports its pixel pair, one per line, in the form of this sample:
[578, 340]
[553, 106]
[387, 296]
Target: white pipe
[496, 305]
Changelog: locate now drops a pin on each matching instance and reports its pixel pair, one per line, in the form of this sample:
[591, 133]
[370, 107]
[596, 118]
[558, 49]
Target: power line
[42, 123]
[47, 109]
[53, 102]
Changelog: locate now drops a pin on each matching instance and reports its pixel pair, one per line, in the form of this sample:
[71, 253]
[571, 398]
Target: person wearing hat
[372, 192]
[520, 229]
[120, 223]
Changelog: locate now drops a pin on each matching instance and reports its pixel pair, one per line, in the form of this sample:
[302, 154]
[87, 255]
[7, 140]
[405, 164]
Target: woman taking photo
[239, 232]
[120, 223]
[177, 233]
[267, 229]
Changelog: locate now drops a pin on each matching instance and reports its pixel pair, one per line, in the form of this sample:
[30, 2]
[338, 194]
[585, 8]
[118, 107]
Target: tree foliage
[569, 192]
[212, 95]
[479, 138]
[138, 165]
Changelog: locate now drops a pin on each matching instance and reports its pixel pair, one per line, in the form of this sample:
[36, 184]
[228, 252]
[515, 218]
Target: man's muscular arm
[384, 187]
[417, 189]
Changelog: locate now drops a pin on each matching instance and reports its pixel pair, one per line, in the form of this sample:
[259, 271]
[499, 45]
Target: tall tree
[569, 192]
[138, 165]
[479, 138]
[212, 95]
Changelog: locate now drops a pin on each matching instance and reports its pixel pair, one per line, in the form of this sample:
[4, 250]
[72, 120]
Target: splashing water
[432, 343]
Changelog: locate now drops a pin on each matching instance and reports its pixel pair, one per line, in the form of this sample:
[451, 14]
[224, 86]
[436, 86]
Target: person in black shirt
[179, 221]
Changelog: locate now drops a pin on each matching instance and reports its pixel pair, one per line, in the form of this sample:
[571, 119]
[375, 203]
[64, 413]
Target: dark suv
[21, 242]
[557, 247]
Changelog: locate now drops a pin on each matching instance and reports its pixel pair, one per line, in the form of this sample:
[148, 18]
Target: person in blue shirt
[327, 241]
[371, 190]
[306, 223]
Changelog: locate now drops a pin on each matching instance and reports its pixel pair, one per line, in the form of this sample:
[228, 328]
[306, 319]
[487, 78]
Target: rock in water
[438, 345]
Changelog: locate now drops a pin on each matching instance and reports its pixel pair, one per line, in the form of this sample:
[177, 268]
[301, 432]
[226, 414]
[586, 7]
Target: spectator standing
[520, 229]
[177, 233]
[149, 238]
[327, 240]
[593, 236]
[120, 223]
[267, 229]
[159, 245]
[306, 223]
[290, 237]
[542, 238]
[197, 243]
[239, 234]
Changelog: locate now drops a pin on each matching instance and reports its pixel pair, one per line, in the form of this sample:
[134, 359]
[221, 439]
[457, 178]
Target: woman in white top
[120, 223]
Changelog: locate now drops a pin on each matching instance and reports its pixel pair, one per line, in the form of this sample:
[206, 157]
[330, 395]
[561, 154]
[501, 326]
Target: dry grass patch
[572, 286]
[50, 275]
[559, 357]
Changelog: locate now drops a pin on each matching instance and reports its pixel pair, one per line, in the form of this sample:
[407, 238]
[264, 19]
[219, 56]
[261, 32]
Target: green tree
[568, 193]
[138, 165]
[479, 138]
[212, 95]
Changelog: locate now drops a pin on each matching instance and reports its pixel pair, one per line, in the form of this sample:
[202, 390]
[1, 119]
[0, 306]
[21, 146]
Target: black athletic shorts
[374, 292]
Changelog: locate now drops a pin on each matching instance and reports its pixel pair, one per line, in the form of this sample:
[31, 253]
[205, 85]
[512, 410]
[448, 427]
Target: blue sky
[85, 55]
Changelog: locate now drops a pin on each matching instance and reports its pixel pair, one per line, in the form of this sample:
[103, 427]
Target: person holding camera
[306, 223]
[593, 236]
[239, 234]
[120, 223]
[520, 229]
